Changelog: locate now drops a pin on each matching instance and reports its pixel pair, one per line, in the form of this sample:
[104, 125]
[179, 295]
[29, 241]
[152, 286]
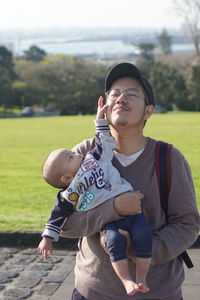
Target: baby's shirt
[96, 181]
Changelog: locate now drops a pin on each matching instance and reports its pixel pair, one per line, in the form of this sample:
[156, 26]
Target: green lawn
[26, 200]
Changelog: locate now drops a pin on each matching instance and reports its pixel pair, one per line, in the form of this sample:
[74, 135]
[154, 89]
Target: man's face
[125, 112]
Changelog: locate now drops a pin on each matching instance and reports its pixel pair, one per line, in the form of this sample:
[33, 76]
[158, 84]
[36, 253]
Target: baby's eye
[71, 157]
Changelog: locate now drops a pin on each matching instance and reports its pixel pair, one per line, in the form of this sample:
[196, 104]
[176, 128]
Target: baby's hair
[51, 174]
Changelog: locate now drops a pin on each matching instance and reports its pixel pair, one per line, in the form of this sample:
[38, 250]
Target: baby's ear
[66, 179]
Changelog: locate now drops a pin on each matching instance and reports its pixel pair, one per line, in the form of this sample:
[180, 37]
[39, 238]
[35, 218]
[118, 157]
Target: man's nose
[121, 98]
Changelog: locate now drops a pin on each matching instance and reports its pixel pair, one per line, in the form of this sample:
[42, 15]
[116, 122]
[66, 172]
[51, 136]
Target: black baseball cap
[130, 70]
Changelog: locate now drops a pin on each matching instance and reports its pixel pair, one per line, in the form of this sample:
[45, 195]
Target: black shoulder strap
[163, 171]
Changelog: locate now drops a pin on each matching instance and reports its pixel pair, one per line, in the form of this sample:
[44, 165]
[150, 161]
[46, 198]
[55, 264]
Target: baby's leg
[116, 244]
[122, 270]
[142, 240]
[142, 267]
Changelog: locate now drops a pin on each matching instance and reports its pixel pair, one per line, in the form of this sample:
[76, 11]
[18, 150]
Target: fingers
[101, 109]
[127, 236]
[102, 238]
[102, 242]
[138, 195]
[45, 252]
[124, 233]
[100, 102]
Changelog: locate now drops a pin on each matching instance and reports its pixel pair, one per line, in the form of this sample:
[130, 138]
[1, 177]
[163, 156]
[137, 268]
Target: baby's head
[60, 167]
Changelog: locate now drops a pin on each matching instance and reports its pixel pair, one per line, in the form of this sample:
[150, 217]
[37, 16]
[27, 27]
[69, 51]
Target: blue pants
[77, 296]
[140, 233]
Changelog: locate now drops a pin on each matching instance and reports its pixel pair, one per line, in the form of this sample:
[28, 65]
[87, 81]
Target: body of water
[101, 48]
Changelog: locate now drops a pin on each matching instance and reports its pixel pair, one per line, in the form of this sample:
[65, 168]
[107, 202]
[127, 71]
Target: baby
[88, 181]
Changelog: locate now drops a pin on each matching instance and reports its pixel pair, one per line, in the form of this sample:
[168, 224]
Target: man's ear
[66, 179]
[148, 111]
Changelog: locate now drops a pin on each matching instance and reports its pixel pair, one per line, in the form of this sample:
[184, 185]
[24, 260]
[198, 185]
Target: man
[130, 102]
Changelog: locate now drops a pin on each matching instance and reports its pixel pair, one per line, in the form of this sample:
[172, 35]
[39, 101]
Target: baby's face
[70, 162]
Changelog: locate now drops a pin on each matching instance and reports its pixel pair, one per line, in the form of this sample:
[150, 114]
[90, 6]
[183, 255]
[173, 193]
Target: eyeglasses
[129, 94]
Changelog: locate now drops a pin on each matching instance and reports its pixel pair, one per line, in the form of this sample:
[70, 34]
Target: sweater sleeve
[61, 211]
[87, 223]
[183, 222]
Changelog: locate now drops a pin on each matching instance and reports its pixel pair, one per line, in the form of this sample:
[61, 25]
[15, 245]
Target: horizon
[90, 28]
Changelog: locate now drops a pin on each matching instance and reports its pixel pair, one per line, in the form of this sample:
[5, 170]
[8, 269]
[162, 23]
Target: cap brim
[122, 70]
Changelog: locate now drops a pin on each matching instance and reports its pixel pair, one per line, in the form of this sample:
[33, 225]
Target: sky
[16, 14]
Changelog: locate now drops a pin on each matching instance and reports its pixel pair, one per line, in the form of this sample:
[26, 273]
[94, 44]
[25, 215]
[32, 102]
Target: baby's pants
[140, 233]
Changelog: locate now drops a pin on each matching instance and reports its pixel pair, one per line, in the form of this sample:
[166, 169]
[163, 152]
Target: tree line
[72, 85]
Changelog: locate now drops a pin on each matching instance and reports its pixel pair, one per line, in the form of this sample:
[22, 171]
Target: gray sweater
[94, 276]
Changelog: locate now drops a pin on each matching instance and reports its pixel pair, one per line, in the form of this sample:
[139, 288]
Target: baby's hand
[101, 110]
[45, 247]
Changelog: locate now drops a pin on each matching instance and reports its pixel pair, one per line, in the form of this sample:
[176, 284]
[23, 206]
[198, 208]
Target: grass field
[26, 200]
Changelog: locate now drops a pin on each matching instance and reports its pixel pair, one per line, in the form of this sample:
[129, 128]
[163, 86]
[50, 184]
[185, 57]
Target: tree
[165, 42]
[70, 84]
[190, 11]
[20, 94]
[193, 85]
[7, 76]
[28, 87]
[34, 53]
[169, 86]
[146, 50]
[73, 85]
